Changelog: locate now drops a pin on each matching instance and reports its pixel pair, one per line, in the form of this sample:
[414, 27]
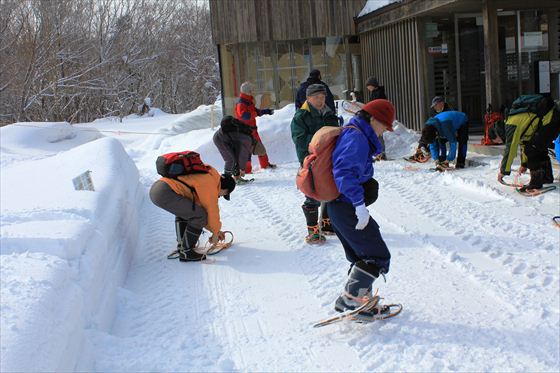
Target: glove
[340, 121]
[362, 214]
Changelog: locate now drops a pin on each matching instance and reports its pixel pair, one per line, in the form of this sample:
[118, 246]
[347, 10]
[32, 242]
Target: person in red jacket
[246, 112]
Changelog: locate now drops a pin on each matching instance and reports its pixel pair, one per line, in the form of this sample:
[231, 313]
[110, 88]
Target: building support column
[491, 54]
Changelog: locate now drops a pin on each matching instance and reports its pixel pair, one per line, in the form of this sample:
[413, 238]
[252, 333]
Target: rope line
[118, 132]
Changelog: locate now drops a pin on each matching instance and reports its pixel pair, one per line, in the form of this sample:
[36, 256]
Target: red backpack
[176, 164]
[315, 178]
[172, 165]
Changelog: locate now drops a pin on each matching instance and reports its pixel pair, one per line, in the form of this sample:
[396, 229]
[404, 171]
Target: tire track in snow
[390, 346]
[261, 296]
[475, 226]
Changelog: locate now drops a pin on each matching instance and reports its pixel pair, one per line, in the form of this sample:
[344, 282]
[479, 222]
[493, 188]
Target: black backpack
[537, 104]
[231, 124]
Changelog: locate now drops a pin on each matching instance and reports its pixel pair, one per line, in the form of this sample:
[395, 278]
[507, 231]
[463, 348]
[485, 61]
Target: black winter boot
[180, 227]
[536, 181]
[357, 290]
[548, 175]
[311, 215]
[188, 243]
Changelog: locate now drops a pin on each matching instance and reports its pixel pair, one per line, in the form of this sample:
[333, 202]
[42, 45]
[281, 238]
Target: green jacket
[305, 123]
[520, 128]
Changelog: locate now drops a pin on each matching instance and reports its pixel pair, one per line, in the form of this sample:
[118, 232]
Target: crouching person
[234, 141]
[193, 199]
[532, 131]
[452, 127]
[358, 232]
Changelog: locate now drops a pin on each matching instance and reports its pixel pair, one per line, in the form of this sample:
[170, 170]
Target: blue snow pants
[366, 244]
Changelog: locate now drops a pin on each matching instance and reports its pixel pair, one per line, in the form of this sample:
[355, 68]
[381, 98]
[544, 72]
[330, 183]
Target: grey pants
[164, 197]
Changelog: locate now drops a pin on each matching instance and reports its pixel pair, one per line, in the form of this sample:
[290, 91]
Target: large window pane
[507, 43]
[335, 74]
[301, 61]
[534, 46]
[285, 90]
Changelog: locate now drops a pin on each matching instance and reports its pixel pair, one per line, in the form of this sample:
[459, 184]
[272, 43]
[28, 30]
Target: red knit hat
[381, 110]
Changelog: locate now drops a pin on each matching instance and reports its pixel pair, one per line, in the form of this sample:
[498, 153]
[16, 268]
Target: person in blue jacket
[452, 126]
[359, 234]
[557, 148]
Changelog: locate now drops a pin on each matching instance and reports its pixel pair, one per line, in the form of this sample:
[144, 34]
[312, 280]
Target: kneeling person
[193, 199]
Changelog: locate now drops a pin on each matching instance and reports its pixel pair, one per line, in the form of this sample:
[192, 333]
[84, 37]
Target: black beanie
[372, 81]
[316, 74]
[227, 182]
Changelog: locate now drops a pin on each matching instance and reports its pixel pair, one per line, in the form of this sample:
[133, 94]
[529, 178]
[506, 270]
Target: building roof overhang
[406, 9]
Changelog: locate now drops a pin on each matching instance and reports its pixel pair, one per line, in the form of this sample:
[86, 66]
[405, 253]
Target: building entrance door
[469, 37]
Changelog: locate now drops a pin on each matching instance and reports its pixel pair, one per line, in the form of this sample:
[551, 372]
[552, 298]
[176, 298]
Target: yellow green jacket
[520, 128]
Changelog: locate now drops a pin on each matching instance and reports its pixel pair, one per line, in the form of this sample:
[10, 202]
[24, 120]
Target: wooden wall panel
[390, 54]
[241, 21]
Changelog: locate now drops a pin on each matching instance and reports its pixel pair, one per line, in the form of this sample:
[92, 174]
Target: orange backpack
[315, 178]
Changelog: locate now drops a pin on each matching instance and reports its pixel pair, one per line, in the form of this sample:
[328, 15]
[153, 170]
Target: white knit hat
[246, 88]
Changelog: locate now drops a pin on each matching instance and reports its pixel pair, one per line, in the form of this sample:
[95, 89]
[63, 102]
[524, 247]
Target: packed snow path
[472, 300]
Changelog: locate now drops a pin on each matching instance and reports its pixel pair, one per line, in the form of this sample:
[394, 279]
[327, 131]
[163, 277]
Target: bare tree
[76, 60]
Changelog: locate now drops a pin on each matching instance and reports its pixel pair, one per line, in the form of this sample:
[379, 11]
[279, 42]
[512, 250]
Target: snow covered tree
[77, 60]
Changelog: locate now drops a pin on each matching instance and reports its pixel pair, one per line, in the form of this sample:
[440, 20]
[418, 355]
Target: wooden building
[275, 43]
[472, 52]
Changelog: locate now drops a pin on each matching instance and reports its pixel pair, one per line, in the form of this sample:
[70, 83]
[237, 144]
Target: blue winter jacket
[447, 123]
[353, 159]
[557, 148]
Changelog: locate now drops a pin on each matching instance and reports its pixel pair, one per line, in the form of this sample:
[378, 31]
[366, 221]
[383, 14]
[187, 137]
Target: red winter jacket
[246, 111]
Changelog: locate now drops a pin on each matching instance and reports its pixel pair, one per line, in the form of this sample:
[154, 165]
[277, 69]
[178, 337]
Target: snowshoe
[527, 191]
[242, 181]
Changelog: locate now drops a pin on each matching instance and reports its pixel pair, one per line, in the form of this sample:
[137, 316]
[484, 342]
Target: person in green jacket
[312, 115]
[532, 132]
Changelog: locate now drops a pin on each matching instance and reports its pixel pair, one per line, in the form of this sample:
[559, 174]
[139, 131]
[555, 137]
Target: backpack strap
[192, 189]
[530, 125]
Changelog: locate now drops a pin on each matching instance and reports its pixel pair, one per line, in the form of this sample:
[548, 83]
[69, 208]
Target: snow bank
[401, 142]
[64, 252]
[20, 141]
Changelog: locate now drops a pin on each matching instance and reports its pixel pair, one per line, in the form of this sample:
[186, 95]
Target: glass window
[534, 46]
[301, 58]
[335, 72]
[284, 68]
[507, 45]
[439, 36]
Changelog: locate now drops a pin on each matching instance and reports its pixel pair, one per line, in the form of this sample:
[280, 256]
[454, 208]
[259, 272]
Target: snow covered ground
[85, 283]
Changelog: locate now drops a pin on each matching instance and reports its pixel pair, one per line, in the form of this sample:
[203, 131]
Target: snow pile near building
[401, 142]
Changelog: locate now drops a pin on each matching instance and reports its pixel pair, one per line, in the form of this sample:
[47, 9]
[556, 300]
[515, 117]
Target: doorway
[469, 37]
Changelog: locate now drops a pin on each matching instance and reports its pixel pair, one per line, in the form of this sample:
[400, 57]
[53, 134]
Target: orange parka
[207, 192]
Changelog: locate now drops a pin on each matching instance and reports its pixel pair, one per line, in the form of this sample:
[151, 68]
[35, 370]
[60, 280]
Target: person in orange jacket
[246, 112]
[193, 210]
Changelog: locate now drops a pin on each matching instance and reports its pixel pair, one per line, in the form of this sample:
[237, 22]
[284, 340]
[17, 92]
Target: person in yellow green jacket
[193, 199]
[531, 131]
